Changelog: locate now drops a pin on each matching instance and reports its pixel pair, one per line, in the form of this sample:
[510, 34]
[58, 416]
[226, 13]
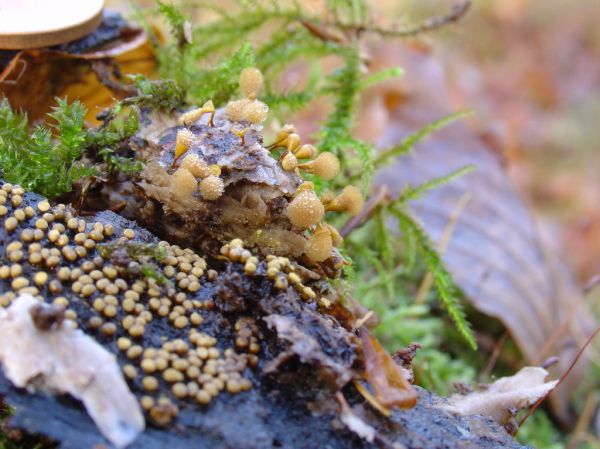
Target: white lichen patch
[56, 358]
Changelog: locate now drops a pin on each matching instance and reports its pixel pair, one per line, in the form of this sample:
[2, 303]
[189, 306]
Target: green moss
[36, 159]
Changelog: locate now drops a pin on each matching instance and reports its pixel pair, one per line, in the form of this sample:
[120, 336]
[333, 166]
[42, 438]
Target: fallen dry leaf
[495, 253]
[387, 379]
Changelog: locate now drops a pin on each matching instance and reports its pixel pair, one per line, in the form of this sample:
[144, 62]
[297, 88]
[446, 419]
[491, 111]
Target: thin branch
[431, 24]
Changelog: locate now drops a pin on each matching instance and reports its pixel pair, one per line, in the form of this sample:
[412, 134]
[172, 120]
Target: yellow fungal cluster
[266, 203]
[183, 182]
[249, 109]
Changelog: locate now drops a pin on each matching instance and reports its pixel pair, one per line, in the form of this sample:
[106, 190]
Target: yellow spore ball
[211, 188]
[350, 200]
[196, 166]
[256, 112]
[251, 82]
[182, 183]
[236, 110]
[305, 151]
[305, 209]
[289, 162]
[319, 246]
[326, 166]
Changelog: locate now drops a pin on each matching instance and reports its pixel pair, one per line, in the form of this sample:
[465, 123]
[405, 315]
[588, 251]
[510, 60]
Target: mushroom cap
[305, 209]
[211, 188]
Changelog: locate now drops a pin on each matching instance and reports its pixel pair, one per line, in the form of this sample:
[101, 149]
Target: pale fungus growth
[305, 209]
[256, 112]
[196, 166]
[211, 188]
[236, 108]
[190, 117]
[350, 200]
[182, 184]
[182, 142]
[335, 235]
[326, 166]
[292, 142]
[319, 245]
[246, 110]
[289, 161]
[306, 151]
[251, 82]
[282, 135]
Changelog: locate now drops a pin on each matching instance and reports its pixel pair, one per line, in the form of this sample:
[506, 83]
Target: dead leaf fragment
[495, 253]
[384, 375]
[501, 398]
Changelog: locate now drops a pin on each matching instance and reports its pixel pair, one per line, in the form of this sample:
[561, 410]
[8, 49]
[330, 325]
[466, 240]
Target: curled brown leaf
[385, 377]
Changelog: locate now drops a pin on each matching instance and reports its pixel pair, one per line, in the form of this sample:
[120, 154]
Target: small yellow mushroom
[289, 161]
[211, 188]
[182, 184]
[282, 135]
[319, 245]
[306, 151]
[240, 133]
[196, 166]
[182, 143]
[214, 170]
[350, 200]
[326, 166]
[189, 117]
[292, 142]
[251, 82]
[305, 209]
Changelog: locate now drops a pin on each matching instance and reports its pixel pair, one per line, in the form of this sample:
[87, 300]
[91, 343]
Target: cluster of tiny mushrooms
[306, 210]
[55, 256]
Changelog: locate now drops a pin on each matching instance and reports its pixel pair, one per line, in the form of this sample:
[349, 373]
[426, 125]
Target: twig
[431, 24]
[489, 366]
[443, 244]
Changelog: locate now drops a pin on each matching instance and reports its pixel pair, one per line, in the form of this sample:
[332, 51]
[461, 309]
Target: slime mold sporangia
[213, 180]
[164, 309]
